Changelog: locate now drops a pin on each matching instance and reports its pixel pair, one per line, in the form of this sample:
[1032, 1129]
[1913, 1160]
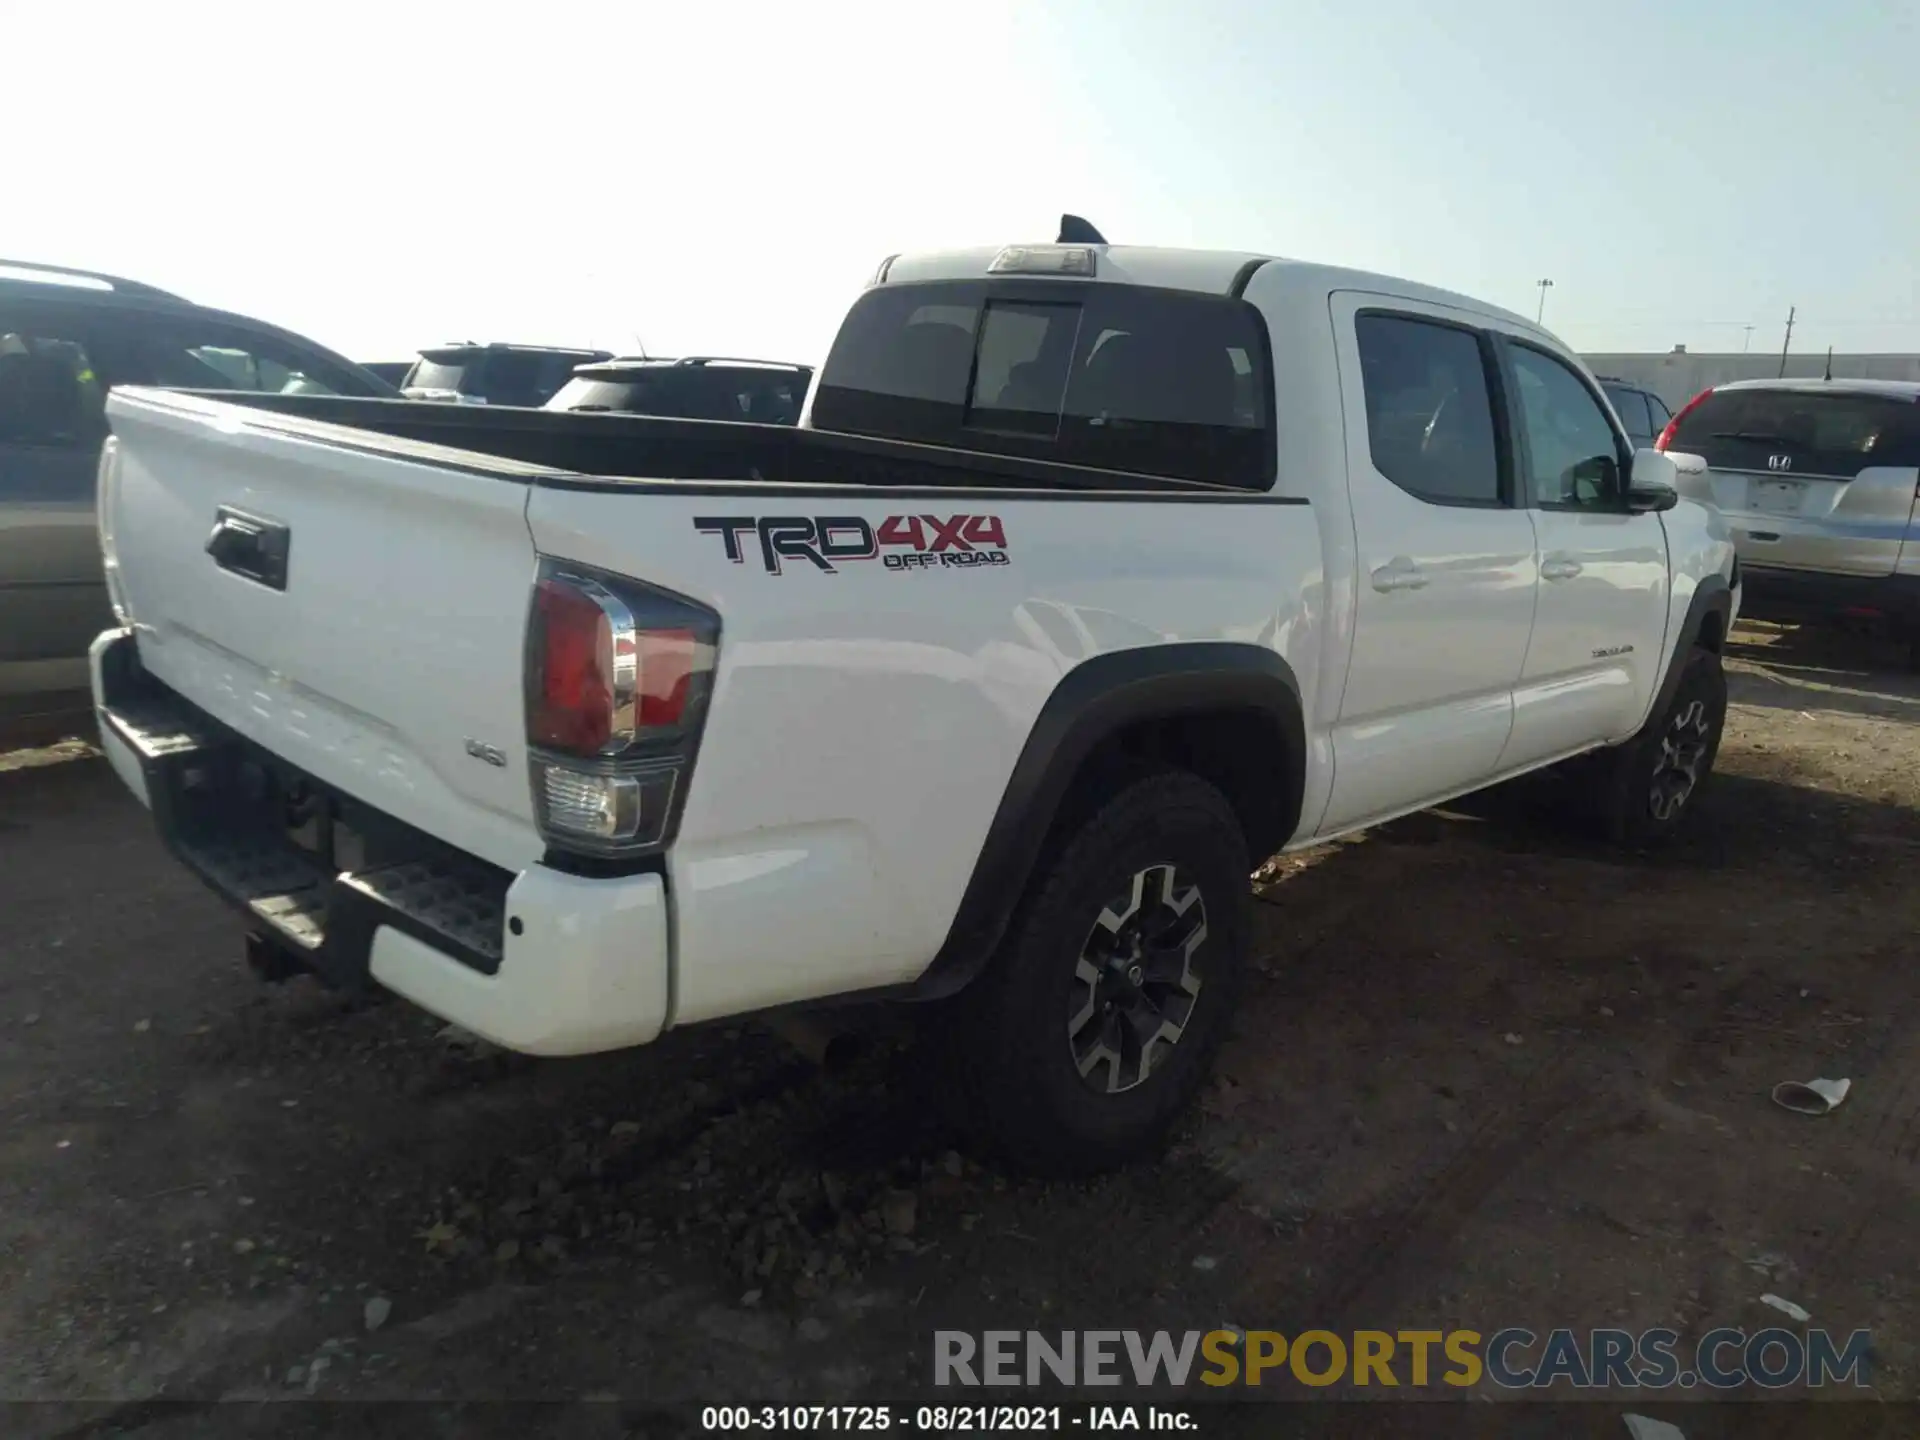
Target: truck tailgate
[359, 613]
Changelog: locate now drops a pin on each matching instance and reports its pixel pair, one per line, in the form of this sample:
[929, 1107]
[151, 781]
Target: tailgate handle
[250, 546]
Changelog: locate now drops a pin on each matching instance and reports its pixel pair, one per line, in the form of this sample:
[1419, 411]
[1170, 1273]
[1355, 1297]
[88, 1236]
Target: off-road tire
[1636, 788]
[1011, 1066]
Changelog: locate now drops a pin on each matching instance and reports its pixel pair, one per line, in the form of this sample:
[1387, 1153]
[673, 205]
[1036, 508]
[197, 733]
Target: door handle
[250, 546]
[1559, 567]
[1398, 573]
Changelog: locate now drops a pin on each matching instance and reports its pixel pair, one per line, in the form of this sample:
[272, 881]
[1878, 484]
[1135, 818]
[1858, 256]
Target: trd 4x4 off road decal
[899, 542]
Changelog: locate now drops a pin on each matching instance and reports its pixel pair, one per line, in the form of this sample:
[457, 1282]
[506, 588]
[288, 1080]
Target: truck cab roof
[1216, 272]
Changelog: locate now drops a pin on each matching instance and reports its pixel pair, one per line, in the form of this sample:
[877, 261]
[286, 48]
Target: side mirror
[1688, 467]
[1654, 483]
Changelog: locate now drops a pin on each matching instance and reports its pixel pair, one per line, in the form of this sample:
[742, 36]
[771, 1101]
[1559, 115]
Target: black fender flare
[1712, 596]
[1091, 703]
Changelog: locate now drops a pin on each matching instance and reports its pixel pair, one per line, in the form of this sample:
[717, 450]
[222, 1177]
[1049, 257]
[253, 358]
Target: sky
[722, 178]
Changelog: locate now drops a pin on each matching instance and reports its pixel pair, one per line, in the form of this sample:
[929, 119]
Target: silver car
[66, 337]
[1817, 480]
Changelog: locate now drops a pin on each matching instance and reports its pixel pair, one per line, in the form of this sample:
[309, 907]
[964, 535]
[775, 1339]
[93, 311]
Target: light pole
[1541, 309]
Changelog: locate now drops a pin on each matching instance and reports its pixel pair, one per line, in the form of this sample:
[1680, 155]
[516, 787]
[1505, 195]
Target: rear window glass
[185, 354]
[1809, 432]
[500, 377]
[437, 374]
[525, 377]
[1157, 382]
[50, 394]
[764, 397]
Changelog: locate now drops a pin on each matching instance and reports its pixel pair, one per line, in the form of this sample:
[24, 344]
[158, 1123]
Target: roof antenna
[1075, 231]
[642, 344]
[1829, 374]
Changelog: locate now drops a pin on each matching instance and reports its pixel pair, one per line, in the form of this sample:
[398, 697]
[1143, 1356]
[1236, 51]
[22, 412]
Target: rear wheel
[1647, 786]
[1096, 1022]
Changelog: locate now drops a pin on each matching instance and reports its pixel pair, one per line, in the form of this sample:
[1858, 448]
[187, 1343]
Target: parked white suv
[1093, 575]
[1817, 480]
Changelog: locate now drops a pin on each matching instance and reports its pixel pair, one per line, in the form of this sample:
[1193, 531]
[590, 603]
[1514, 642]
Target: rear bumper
[540, 961]
[1777, 594]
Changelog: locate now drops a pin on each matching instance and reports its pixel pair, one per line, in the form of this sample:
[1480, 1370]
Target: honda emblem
[1779, 462]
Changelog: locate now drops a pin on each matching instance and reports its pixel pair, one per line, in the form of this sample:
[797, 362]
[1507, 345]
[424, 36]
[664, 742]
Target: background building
[1677, 376]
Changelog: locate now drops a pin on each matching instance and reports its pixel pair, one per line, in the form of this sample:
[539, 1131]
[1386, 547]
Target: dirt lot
[1488, 1074]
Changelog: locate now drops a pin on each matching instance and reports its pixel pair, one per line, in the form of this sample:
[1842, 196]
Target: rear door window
[216, 357]
[51, 397]
[1801, 432]
[1430, 427]
[1631, 407]
[1157, 382]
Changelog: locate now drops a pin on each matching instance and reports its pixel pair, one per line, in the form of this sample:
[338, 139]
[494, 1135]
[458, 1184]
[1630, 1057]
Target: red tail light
[1673, 425]
[668, 659]
[601, 677]
[617, 677]
[574, 662]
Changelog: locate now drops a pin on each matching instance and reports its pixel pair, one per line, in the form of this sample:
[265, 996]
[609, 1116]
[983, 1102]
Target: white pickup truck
[1092, 576]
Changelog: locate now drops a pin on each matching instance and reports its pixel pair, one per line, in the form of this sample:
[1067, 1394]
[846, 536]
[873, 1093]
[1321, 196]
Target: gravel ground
[1488, 1073]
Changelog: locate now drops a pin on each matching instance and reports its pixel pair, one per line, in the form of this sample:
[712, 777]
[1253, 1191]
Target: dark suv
[699, 387]
[66, 337]
[494, 374]
[1644, 413]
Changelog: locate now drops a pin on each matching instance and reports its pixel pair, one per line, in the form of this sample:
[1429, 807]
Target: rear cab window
[1804, 432]
[1118, 377]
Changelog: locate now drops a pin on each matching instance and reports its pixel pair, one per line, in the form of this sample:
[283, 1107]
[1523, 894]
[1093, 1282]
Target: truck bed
[569, 451]
[345, 588]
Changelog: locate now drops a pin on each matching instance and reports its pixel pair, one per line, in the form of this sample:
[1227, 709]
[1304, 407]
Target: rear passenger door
[1599, 628]
[1446, 559]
